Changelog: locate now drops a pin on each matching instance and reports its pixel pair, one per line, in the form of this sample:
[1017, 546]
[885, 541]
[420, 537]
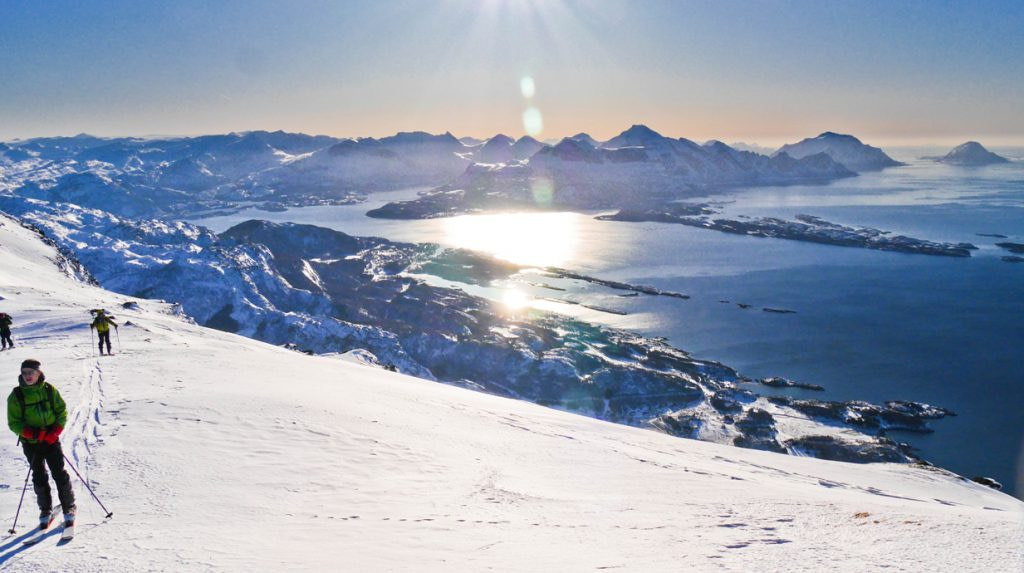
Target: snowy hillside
[217, 452]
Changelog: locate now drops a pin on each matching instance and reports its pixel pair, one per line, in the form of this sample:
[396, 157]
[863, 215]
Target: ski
[41, 530]
[67, 533]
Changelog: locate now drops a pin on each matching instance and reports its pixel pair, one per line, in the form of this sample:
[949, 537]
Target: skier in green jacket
[37, 414]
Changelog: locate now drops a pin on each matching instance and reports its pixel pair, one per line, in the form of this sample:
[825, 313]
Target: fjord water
[869, 325]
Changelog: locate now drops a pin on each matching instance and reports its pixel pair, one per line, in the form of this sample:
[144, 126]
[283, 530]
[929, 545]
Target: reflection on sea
[537, 239]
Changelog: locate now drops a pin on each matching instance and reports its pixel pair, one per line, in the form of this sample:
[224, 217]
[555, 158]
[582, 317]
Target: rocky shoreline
[806, 228]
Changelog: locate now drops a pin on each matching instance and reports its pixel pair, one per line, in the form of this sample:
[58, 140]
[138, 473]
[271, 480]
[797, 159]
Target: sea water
[869, 325]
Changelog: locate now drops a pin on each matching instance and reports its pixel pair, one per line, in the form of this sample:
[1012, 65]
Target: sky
[759, 71]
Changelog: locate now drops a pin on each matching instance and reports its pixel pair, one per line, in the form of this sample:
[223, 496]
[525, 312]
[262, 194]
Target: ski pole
[117, 333]
[81, 479]
[92, 341]
[23, 488]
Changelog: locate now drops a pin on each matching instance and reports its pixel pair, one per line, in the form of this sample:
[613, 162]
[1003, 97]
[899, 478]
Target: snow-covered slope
[217, 452]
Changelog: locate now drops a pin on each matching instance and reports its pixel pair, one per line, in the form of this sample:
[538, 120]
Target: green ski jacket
[38, 413]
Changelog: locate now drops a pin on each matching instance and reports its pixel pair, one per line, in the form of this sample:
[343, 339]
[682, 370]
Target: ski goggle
[28, 371]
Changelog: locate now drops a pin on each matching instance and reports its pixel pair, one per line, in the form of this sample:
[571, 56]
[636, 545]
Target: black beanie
[30, 363]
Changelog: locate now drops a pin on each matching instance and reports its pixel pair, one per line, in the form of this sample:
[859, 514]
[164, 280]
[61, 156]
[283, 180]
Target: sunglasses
[28, 371]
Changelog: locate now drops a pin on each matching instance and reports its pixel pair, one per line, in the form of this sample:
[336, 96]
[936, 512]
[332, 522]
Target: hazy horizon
[769, 72]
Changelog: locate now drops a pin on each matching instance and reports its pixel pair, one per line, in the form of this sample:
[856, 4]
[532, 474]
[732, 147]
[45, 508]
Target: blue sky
[769, 71]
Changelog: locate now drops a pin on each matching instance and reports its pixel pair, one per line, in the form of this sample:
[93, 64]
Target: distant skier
[5, 331]
[37, 414]
[102, 323]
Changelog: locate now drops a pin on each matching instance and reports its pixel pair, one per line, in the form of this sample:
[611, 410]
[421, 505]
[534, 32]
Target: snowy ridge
[217, 452]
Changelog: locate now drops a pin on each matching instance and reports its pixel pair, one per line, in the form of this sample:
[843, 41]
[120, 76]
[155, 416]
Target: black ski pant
[39, 456]
[5, 339]
[105, 336]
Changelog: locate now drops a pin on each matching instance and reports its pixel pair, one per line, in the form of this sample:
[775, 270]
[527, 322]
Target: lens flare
[533, 123]
[543, 191]
[527, 87]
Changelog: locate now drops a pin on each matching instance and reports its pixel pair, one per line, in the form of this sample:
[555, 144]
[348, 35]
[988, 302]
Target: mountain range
[169, 177]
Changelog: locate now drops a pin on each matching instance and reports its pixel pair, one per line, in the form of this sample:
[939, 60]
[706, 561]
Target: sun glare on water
[538, 239]
[515, 299]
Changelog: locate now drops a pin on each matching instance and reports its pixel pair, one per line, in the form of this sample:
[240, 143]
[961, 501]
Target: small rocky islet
[805, 228]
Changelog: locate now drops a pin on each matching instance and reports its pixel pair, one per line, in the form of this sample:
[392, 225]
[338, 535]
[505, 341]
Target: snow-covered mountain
[497, 149]
[971, 154]
[844, 149]
[585, 138]
[174, 177]
[637, 167]
[369, 164]
[525, 147]
[752, 147]
[9, 155]
[151, 177]
[216, 452]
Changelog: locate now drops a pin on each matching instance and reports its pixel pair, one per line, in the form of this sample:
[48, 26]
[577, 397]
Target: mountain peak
[636, 136]
[969, 146]
[584, 137]
[500, 139]
[640, 130]
[838, 137]
[842, 148]
[971, 154]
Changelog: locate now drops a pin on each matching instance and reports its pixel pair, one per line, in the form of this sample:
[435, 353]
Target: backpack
[19, 393]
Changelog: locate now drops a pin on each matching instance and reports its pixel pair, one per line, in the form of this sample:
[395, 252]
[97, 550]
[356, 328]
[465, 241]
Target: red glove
[51, 436]
[29, 433]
